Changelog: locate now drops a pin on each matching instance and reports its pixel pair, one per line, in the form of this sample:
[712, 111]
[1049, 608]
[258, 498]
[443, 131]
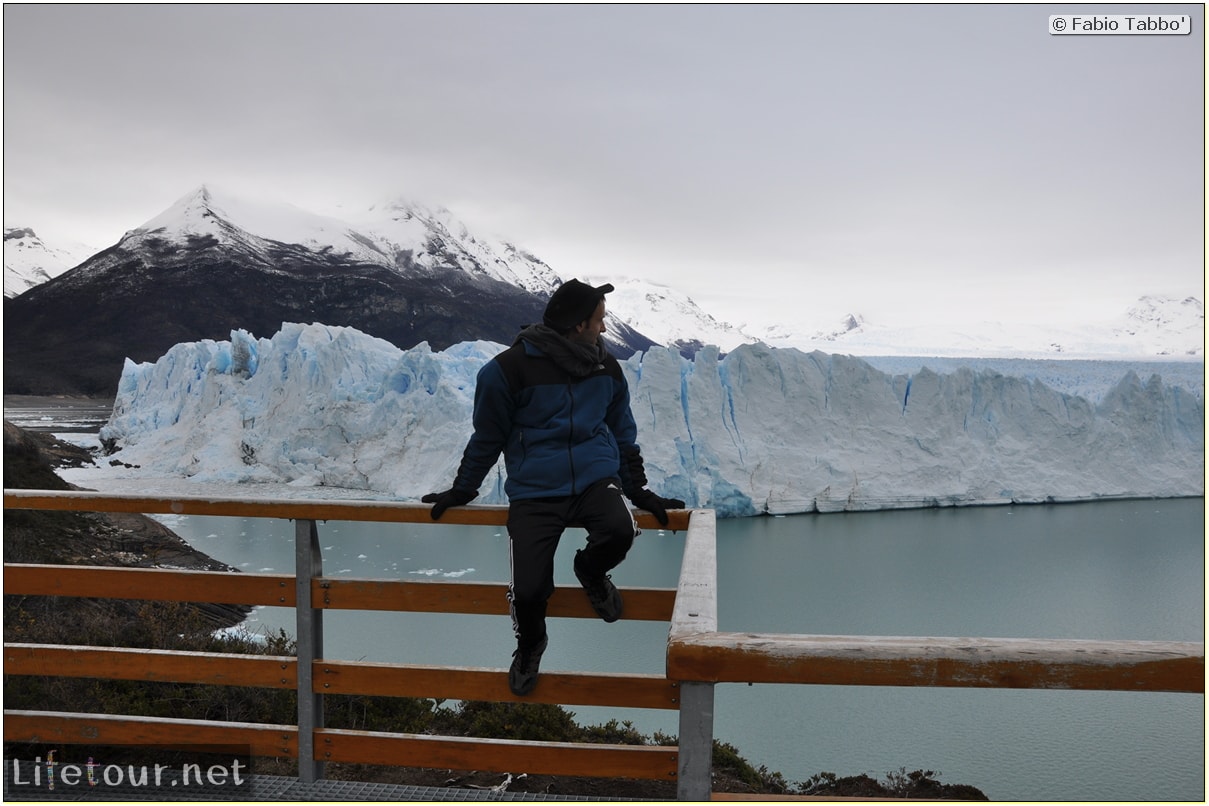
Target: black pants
[534, 528]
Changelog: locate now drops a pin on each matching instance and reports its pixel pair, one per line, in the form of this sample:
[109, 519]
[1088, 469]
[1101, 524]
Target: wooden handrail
[496, 755]
[474, 598]
[155, 584]
[357, 747]
[464, 683]
[335, 676]
[151, 665]
[287, 508]
[354, 747]
[63, 727]
[696, 608]
[324, 676]
[1058, 663]
[698, 655]
[277, 590]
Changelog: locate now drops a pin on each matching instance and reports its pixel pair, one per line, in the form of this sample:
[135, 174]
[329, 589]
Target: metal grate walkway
[30, 784]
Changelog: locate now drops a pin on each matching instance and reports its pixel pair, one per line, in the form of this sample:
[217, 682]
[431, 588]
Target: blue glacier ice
[759, 430]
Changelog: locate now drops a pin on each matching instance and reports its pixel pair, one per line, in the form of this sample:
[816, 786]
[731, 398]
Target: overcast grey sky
[903, 162]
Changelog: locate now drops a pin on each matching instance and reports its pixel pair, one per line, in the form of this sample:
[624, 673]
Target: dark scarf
[577, 359]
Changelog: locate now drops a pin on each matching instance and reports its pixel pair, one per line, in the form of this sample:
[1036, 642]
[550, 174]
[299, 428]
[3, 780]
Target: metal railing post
[308, 565]
[694, 778]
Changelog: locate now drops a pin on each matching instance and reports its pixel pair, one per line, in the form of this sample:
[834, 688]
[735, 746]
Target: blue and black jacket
[559, 434]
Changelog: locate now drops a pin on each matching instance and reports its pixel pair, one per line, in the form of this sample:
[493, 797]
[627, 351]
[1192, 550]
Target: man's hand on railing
[450, 498]
[656, 505]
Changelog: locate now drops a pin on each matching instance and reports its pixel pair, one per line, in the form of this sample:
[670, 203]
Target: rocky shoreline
[92, 538]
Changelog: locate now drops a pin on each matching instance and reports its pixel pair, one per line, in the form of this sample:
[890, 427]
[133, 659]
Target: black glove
[645, 499]
[450, 498]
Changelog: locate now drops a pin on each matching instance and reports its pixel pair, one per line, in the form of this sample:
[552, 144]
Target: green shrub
[726, 759]
[515, 720]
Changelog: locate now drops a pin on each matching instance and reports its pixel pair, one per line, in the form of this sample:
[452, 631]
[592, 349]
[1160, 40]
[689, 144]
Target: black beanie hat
[572, 303]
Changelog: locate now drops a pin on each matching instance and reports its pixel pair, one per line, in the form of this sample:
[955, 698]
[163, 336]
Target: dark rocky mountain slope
[72, 335]
[195, 272]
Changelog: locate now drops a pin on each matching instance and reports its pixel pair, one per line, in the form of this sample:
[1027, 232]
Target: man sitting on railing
[557, 405]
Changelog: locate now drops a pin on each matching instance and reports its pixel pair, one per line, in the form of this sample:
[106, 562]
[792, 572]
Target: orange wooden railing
[310, 673]
[699, 656]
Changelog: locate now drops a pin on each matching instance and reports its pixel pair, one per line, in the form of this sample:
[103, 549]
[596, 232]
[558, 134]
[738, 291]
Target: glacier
[759, 430]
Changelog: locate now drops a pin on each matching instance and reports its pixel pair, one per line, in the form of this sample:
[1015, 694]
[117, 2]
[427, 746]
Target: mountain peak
[11, 233]
[400, 234]
[1168, 325]
[195, 213]
[433, 237]
[29, 262]
[255, 225]
[851, 322]
[668, 316]
[201, 197]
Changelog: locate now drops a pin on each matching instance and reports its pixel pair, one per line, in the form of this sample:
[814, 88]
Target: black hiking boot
[602, 593]
[522, 677]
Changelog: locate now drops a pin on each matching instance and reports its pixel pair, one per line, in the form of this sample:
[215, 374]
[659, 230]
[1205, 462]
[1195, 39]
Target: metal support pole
[695, 781]
[308, 563]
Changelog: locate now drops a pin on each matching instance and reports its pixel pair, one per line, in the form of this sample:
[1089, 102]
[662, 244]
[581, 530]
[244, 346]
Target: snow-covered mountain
[209, 215]
[759, 430]
[214, 262]
[419, 240]
[405, 231]
[1154, 326]
[667, 316]
[399, 234]
[423, 243]
[782, 335]
[29, 261]
[1164, 326]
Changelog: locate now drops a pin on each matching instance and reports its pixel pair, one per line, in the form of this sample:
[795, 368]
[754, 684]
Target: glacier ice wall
[760, 430]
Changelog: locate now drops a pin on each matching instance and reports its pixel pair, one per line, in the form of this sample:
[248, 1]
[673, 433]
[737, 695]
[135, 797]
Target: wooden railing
[310, 673]
[699, 656]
